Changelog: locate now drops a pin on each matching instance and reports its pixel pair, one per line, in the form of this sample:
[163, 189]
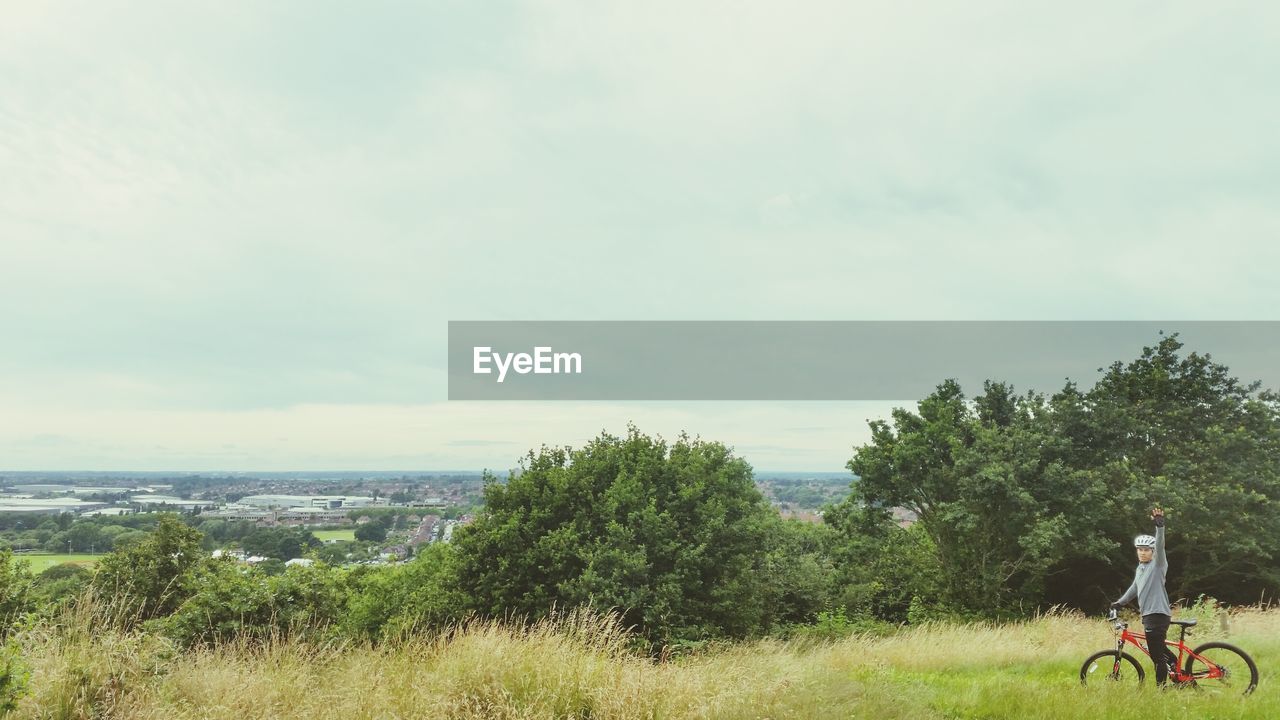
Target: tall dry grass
[578, 665]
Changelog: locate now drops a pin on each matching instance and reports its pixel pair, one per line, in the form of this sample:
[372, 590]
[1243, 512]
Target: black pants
[1156, 627]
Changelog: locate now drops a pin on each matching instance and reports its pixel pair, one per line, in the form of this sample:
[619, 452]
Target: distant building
[53, 489]
[108, 511]
[808, 516]
[398, 552]
[48, 506]
[236, 511]
[427, 531]
[235, 554]
[312, 516]
[154, 501]
[327, 502]
[268, 517]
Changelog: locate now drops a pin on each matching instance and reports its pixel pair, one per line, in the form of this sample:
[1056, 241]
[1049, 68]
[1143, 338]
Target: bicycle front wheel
[1222, 668]
[1112, 665]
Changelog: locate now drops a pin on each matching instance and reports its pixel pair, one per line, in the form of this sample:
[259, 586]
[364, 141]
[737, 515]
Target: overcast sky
[232, 234]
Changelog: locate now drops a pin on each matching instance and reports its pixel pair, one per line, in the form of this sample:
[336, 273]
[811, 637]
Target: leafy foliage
[15, 676]
[1028, 500]
[670, 535]
[374, 531]
[280, 543]
[153, 577]
[15, 589]
[418, 595]
[236, 601]
[60, 584]
[879, 568]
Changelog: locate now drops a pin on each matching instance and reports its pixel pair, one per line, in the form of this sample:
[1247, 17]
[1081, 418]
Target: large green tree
[1178, 431]
[981, 478]
[673, 536]
[1029, 500]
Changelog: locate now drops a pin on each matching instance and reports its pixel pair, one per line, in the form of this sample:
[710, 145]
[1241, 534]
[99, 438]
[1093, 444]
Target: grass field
[581, 667]
[41, 562]
[327, 535]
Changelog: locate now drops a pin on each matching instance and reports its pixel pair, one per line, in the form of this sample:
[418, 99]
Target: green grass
[41, 562]
[581, 667]
[327, 535]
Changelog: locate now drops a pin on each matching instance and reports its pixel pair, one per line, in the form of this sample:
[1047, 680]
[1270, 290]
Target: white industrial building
[326, 502]
[48, 506]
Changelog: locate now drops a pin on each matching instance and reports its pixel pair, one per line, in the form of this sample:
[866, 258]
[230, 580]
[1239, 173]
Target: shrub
[15, 589]
[152, 578]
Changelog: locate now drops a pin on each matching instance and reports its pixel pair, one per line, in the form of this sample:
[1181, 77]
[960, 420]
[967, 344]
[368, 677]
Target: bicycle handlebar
[1113, 616]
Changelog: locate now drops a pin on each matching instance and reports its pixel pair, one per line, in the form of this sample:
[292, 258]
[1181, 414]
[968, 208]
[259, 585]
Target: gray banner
[783, 360]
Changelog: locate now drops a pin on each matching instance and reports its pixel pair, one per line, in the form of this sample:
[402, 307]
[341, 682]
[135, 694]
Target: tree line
[1020, 501]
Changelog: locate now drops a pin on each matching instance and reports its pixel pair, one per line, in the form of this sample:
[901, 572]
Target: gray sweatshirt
[1148, 582]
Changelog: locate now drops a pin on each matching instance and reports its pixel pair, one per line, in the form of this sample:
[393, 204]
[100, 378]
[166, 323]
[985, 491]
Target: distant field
[327, 535]
[42, 562]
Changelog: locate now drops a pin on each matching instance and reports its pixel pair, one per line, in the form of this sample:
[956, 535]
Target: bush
[152, 578]
[14, 676]
[400, 599]
[836, 625]
[60, 584]
[236, 601]
[15, 589]
[675, 537]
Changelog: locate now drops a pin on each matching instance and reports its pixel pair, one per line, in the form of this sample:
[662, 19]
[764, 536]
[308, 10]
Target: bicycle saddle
[1183, 623]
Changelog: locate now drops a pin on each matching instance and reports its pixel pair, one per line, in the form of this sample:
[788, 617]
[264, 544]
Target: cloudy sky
[232, 234]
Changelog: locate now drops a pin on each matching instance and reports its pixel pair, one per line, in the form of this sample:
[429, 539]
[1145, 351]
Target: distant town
[277, 520]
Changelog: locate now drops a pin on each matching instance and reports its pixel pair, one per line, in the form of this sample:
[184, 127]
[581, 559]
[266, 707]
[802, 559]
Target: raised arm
[1157, 516]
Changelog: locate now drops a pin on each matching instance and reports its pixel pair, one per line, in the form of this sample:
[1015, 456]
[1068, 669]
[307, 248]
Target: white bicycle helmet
[1144, 541]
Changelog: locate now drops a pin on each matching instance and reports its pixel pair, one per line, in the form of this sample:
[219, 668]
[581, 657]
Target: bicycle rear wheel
[1112, 665]
[1225, 669]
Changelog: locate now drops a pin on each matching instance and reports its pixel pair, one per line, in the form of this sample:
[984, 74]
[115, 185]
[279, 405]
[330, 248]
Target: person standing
[1153, 601]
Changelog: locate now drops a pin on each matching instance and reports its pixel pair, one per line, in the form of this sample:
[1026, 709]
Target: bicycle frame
[1212, 671]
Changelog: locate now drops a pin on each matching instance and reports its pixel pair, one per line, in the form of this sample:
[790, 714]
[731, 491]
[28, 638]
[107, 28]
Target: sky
[232, 234]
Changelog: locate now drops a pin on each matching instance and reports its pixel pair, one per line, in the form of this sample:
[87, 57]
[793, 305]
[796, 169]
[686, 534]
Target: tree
[153, 577]
[60, 583]
[1028, 501]
[281, 543]
[80, 537]
[880, 569]
[374, 531]
[127, 539]
[674, 537]
[972, 475]
[1181, 432]
[797, 572]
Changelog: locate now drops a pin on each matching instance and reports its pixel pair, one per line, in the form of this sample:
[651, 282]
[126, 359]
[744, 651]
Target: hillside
[580, 667]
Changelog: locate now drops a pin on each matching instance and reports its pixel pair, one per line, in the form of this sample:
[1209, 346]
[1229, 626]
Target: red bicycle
[1214, 666]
